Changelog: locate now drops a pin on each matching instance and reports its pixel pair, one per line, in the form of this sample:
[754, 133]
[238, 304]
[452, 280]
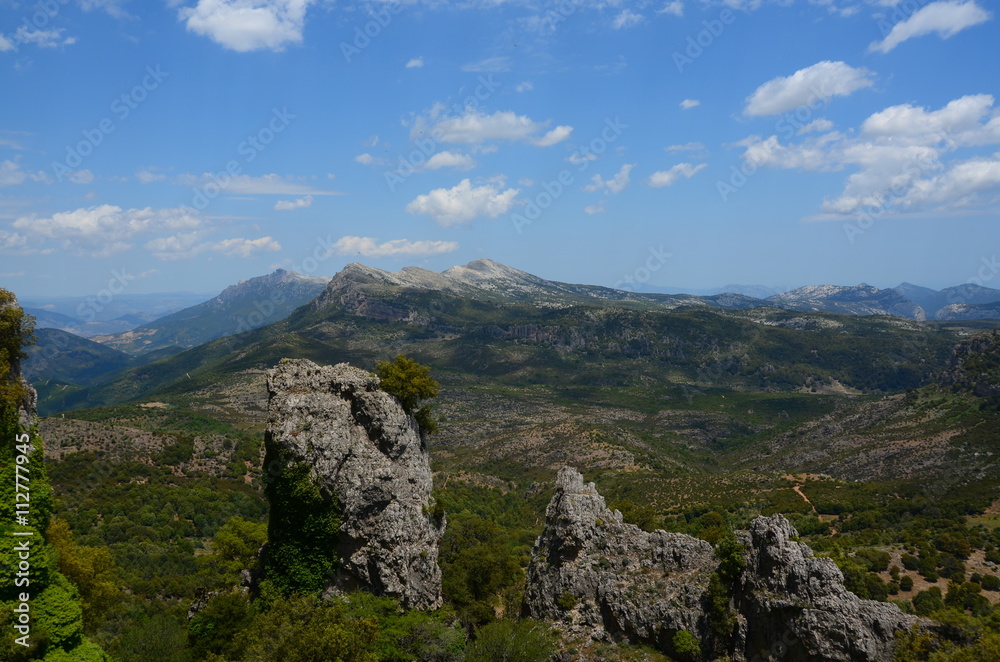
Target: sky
[185, 145]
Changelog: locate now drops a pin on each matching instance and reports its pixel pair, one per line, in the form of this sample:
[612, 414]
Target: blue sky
[190, 144]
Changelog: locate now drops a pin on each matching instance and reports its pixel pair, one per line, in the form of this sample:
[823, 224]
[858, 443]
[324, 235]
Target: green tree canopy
[411, 383]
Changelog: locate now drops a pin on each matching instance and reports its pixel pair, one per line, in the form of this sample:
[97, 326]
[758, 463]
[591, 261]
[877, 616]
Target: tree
[410, 383]
[16, 331]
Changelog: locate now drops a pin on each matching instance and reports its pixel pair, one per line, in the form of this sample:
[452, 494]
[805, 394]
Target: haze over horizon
[196, 143]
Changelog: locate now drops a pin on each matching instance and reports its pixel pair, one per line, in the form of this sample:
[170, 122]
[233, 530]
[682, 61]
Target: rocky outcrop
[366, 455]
[791, 601]
[975, 366]
[601, 578]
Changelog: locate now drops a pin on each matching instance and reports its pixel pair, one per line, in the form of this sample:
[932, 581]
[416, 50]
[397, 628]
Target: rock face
[975, 366]
[366, 454]
[789, 600]
[601, 578]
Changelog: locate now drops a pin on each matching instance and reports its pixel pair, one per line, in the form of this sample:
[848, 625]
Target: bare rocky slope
[367, 457]
[599, 578]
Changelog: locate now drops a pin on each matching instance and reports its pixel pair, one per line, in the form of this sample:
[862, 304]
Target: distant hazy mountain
[958, 300]
[979, 311]
[247, 305]
[849, 300]
[69, 358]
[755, 291]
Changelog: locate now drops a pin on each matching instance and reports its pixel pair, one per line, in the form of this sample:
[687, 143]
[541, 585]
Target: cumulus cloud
[899, 157]
[594, 209]
[248, 25]
[298, 203]
[945, 18]
[818, 126]
[807, 87]
[149, 175]
[189, 245]
[687, 104]
[368, 159]
[35, 37]
[11, 174]
[686, 147]
[105, 229]
[415, 63]
[675, 7]
[526, 86]
[474, 128]
[369, 247]
[556, 135]
[81, 177]
[626, 19]
[448, 159]
[668, 177]
[616, 184]
[463, 202]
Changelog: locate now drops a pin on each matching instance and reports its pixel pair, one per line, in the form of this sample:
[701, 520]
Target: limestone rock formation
[789, 600]
[366, 455]
[601, 578]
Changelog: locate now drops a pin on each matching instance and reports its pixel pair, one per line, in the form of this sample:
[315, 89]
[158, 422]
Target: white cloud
[248, 25]
[475, 128]
[818, 126]
[556, 135]
[807, 87]
[415, 63]
[594, 209]
[526, 86]
[463, 202]
[188, 245]
[687, 104]
[369, 247]
[12, 241]
[298, 203]
[11, 174]
[686, 147]
[626, 19]
[668, 177]
[103, 230]
[491, 65]
[945, 18]
[576, 158]
[675, 7]
[148, 176]
[368, 159]
[41, 38]
[111, 7]
[82, 177]
[616, 184]
[899, 158]
[450, 160]
[247, 185]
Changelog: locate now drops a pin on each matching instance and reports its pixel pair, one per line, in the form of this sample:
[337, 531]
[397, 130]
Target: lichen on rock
[345, 459]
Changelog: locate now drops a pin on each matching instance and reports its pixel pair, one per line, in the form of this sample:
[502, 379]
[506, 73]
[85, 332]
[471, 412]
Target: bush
[990, 583]
[927, 602]
[686, 647]
[906, 583]
[512, 641]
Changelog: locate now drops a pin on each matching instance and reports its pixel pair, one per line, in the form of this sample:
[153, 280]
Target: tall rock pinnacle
[362, 459]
